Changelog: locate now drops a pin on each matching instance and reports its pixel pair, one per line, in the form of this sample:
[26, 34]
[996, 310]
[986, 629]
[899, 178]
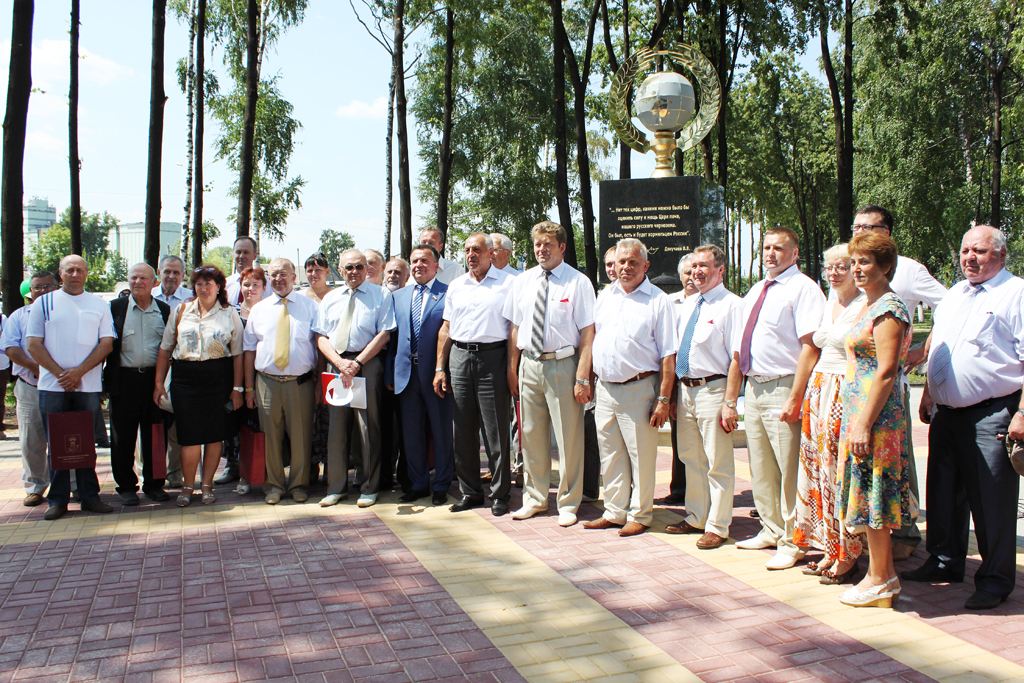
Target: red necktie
[748, 331]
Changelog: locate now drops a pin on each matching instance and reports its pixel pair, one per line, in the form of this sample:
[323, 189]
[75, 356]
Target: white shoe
[754, 543]
[781, 560]
[243, 487]
[329, 500]
[566, 518]
[527, 511]
[367, 499]
[884, 595]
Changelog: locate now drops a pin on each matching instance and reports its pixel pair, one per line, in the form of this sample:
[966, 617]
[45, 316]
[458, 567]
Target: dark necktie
[748, 330]
[417, 318]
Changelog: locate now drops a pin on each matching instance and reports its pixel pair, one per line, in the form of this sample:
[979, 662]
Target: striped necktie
[683, 357]
[540, 309]
[417, 317]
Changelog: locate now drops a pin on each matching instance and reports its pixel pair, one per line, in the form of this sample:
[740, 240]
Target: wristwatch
[583, 382]
[664, 399]
[440, 368]
[730, 404]
[240, 390]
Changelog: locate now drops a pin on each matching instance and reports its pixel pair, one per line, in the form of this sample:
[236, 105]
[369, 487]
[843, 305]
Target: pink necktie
[748, 331]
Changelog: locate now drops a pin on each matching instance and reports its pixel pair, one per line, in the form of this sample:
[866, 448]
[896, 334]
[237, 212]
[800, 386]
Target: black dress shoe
[55, 512]
[467, 503]
[439, 498]
[499, 508]
[983, 600]
[98, 506]
[129, 498]
[156, 495]
[929, 574]
[413, 496]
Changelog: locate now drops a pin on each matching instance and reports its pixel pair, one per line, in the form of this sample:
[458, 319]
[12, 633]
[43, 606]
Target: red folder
[252, 455]
[159, 452]
[72, 440]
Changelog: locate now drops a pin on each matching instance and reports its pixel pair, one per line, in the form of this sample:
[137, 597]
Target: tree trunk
[388, 164]
[844, 216]
[625, 151]
[723, 69]
[999, 63]
[401, 105]
[197, 204]
[846, 207]
[561, 139]
[73, 160]
[246, 161]
[12, 186]
[156, 135]
[445, 161]
[190, 94]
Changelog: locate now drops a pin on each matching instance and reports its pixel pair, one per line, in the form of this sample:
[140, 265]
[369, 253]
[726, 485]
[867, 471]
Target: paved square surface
[241, 591]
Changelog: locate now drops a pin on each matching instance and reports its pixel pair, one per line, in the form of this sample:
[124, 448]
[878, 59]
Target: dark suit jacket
[119, 310]
[399, 368]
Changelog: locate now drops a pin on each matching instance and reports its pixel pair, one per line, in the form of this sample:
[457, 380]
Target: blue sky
[332, 72]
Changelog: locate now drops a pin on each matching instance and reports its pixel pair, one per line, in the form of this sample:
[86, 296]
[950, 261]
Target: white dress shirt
[447, 271]
[71, 326]
[426, 297]
[792, 308]
[14, 335]
[719, 330]
[180, 295]
[261, 334]
[474, 309]
[633, 331]
[570, 306]
[511, 271]
[987, 351]
[374, 313]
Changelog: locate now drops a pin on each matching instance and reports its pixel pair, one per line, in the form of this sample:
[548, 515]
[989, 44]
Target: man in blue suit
[410, 371]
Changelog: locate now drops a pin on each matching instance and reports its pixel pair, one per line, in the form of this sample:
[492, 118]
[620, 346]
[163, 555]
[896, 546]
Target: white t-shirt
[70, 327]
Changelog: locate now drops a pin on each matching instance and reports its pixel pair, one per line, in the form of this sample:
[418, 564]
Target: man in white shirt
[171, 290]
[709, 325]
[780, 316]
[551, 311]
[502, 246]
[35, 470]
[280, 359]
[243, 256]
[677, 485]
[70, 332]
[913, 284]
[635, 346]
[447, 269]
[973, 402]
[354, 323]
[475, 372]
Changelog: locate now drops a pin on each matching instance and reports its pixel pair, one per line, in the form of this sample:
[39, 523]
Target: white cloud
[38, 141]
[50, 65]
[358, 109]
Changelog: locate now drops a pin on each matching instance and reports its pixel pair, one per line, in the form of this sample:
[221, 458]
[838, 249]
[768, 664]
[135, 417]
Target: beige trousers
[286, 411]
[546, 400]
[629, 448]
[774, 448]
[706, 452]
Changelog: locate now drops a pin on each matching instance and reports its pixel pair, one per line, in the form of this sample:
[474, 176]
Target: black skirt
[199, 392]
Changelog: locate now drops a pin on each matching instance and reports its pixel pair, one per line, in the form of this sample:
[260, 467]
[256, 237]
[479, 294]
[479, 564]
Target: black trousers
[479, 383]
[131, 410]
[677, 486]
[969, 473]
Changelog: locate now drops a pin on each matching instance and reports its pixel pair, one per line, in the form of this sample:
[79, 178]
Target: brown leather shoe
[683, 527]
[902, 551]
[710, 540]
[632, 529]
[599, 523]
[32, 499]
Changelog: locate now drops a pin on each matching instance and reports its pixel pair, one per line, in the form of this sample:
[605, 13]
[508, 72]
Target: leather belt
[984, 404]
[761, 379]
[415, 360]
[642, 375]
[483, 346]
[141, 371]
[700, 381]
[301, 379]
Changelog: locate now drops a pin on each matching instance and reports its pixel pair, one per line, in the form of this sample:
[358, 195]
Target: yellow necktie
[345, 324]
[283, 339]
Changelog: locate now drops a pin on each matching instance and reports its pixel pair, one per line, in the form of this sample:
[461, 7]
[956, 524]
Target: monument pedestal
[671, 216]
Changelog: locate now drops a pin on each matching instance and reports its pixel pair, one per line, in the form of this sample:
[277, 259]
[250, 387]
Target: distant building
[39, 215]
[129, 240]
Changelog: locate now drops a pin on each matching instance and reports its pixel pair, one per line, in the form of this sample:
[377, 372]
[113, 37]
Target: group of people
[442, 358]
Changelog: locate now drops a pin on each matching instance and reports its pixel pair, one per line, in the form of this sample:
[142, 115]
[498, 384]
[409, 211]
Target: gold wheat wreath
[710, 96]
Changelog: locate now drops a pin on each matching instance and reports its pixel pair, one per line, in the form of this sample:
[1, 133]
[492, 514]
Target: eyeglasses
[206, 269]
[860, 227]
[355, 266]
[837, 267]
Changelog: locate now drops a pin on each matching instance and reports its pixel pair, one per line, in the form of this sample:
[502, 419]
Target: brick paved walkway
[243, 591]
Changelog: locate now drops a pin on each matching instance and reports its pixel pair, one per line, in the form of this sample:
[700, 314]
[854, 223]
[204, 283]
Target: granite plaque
[671, 216]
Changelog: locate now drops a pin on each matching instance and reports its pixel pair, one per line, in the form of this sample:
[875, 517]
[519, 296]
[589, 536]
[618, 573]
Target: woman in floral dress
[874, 474]
[817, 501]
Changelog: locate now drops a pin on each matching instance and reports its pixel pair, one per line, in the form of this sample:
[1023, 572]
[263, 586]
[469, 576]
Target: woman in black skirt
[203, 345]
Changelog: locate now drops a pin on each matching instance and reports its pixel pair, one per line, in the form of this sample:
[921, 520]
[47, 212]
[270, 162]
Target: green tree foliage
[220, 257]
[55, 244]
[333, 243]
[117, 265]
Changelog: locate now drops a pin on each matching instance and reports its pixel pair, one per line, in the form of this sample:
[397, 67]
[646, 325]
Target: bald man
[128, 378]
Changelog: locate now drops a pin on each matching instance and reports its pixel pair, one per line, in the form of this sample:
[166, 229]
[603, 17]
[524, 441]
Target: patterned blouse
[196, 337]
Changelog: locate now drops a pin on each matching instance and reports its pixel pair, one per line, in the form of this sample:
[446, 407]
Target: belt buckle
[470, 346]
[415, 360]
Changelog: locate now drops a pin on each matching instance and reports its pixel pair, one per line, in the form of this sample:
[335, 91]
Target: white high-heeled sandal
[882, 595]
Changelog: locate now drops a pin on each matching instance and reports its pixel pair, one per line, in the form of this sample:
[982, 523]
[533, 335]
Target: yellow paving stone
[521, 587]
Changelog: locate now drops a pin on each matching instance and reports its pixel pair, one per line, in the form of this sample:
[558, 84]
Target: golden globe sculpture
[664, 104]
